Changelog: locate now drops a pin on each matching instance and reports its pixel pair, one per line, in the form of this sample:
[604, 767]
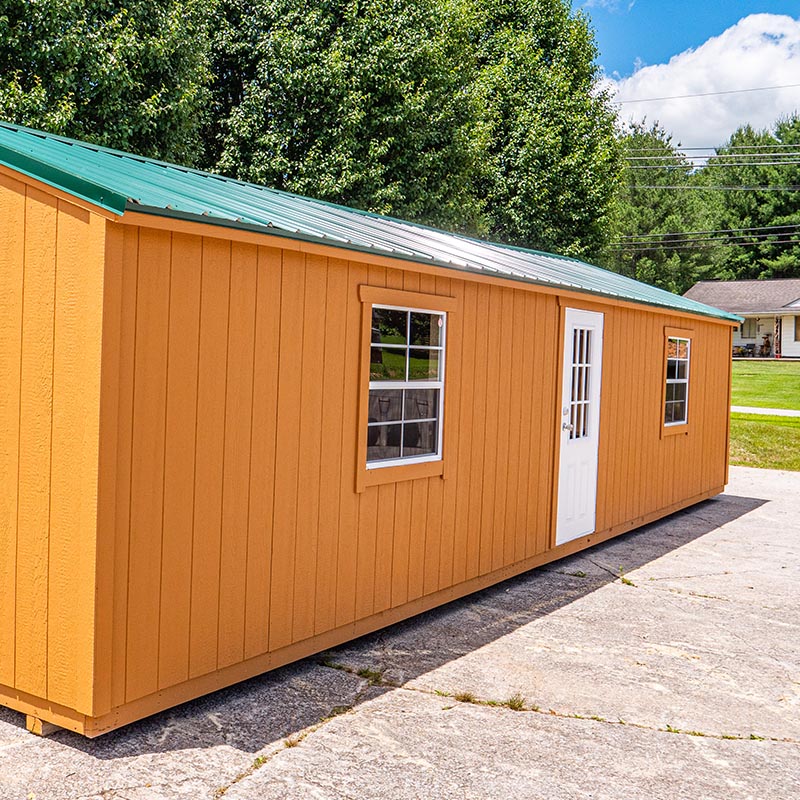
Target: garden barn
[240, 426]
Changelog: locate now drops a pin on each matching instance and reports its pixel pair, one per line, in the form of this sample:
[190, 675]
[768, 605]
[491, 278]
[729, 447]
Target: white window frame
[749, 328]
[409, 384]
[674, 381]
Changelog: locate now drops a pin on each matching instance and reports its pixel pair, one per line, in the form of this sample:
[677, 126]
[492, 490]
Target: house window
[748, 330]
[406, 386]
[797, 329]
[676, 397]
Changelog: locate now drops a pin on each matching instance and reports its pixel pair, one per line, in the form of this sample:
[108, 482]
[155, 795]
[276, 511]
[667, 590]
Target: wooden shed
[238, 426]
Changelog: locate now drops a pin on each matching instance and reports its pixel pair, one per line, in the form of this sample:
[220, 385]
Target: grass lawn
[767, 442]
[766, 384]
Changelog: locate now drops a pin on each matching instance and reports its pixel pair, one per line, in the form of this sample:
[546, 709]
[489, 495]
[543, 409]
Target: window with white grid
[677, 392]
[406, 386]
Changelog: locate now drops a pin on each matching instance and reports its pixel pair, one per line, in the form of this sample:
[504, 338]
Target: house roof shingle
[747, 297]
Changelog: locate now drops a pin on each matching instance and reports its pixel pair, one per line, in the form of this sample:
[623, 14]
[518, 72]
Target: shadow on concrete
[270, 708]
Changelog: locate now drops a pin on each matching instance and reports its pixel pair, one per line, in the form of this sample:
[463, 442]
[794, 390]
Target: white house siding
[789, 347]
[763, 325]
[739, 340]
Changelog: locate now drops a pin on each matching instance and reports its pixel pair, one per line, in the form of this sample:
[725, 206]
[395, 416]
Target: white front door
[579, 415]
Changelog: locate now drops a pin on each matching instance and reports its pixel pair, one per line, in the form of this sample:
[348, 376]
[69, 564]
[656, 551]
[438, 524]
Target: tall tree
[475, 115]
[656, 213]
[130, 75]
[758, 212]
[360, 102]
[551, 162]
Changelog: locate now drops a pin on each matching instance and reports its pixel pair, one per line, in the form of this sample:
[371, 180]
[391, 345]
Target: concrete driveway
[663, 664]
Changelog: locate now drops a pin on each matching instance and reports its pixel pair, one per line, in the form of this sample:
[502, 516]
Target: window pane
[419, 438]
[668, 415]
[389, 326]
[679, 412]
[683, 348]
[672, 369]
[423, 365]
[387, 364]
[385, 405]
[422, 403]
[678, 391]
[383, 441]
[682, 368]
[425, 329]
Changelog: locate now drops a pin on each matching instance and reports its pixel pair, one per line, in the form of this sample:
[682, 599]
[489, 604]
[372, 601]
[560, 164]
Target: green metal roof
[121, 181]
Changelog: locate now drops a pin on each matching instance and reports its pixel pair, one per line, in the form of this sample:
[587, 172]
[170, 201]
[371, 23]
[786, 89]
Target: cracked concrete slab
[697, 633]
[191, 751]
[409, 746]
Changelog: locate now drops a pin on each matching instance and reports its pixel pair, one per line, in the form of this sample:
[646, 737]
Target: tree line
[480, 116]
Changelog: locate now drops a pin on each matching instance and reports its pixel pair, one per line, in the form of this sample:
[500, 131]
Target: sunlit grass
[766, 384]
[766, 442]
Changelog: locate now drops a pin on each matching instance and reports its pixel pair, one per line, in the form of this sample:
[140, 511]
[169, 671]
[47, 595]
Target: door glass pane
[581, 381]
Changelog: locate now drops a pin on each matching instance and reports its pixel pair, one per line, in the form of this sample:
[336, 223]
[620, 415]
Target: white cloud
[760, 50]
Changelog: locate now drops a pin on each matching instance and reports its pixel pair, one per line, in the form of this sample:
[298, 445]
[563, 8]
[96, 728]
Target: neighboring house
[771, 311]
[228, 438]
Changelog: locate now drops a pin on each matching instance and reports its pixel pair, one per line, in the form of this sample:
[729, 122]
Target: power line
[680, 156]
[702, 245]
[661, 245]
[713, 164]
[715, 147]
[708, 94]
[714, 231]
[725, 188]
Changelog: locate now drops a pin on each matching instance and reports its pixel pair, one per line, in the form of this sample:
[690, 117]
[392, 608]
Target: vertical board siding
[236, 449]
[236, 467]
[179, 460]
[209, 455]
[51, 290]
[12, 280]
[147, 463]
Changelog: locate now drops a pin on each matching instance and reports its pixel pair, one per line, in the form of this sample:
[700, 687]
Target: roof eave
[94, 193]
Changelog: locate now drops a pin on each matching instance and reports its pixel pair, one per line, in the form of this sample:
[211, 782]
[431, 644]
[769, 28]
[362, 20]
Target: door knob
[567, 426]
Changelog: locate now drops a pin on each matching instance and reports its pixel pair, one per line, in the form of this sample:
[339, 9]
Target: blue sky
[684, 64]
[651, 31]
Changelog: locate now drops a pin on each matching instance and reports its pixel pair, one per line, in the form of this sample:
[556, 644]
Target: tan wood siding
[197, 519]
[51, 288]
[245, 363]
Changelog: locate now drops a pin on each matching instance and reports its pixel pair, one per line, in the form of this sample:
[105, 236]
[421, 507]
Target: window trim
[377, 473]
[408, 384]
[673, 428]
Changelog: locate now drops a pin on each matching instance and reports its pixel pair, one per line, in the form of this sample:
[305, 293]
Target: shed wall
[51, 287]
[229, 453]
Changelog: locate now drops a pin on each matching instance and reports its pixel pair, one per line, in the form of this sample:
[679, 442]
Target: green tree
[656, 211]
[360, 102]
[474, 115]
[551, 162]
[750, 161]
[130, 75]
